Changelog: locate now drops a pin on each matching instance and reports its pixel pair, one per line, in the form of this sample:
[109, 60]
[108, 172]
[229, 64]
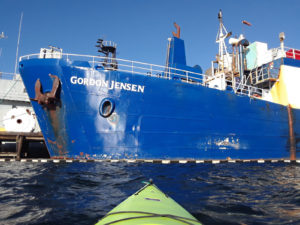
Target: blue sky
[141, 27]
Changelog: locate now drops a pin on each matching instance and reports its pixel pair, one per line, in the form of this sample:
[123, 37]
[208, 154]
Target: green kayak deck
[149, 205]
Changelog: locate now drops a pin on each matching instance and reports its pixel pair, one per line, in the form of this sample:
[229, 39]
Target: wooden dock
[21, 141]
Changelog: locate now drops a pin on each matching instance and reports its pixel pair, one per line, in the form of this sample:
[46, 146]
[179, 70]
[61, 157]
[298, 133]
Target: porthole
[106, 107]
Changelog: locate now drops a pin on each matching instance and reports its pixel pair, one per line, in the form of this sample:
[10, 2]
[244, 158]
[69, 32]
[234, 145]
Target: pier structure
[16, 145]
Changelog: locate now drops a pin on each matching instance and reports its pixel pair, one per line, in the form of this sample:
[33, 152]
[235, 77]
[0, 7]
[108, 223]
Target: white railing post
[132, 67]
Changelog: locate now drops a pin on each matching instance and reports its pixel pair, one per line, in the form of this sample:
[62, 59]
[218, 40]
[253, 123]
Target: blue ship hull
[153, 118]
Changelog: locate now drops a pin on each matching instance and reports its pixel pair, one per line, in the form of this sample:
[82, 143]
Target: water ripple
[81, 193]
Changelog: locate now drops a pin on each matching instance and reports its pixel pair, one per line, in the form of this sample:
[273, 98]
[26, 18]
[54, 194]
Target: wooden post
[19, 145]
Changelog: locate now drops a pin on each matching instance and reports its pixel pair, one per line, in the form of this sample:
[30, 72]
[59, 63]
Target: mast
[224, 60]
[223, 56]
[17, 52]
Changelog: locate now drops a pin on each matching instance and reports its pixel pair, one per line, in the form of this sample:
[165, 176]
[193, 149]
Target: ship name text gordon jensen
[107, 84]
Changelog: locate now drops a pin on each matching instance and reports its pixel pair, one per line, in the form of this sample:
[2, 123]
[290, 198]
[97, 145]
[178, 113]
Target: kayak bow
[148, 206]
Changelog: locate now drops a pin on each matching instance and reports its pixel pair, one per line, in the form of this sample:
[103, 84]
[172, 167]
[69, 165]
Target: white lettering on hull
[106, 84]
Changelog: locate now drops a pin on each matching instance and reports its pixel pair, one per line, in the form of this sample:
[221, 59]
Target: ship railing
[109, 43]
[163, 72]
[292, 53]
[285, 52]
[248, 90]
[147, 69]
[265, 73]
[135, 67]
[150, 70]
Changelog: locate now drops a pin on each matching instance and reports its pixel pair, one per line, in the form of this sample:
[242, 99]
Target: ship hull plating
[152, 117]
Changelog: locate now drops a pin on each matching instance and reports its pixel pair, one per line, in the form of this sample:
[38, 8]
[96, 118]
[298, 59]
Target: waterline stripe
[82, 160]
[148, 161]
[159, 161]
[131, 160]
[114, 160]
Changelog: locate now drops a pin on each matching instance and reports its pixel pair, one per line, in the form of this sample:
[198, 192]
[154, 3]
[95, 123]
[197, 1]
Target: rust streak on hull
[291, 134]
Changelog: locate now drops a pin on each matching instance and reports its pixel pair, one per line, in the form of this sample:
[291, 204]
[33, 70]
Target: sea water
[81, 193]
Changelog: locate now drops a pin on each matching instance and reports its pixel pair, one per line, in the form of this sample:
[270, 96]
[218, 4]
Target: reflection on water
[81, 193]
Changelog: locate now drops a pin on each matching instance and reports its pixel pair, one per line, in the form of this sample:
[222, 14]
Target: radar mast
[223, 56]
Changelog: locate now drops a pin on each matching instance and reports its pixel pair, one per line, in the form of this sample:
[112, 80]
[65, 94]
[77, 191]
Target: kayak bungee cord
[150, 215]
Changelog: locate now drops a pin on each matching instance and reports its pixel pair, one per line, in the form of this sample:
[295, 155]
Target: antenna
[17, 52]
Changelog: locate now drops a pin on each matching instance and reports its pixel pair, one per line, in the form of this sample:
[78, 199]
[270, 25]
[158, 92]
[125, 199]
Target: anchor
[48, 98]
